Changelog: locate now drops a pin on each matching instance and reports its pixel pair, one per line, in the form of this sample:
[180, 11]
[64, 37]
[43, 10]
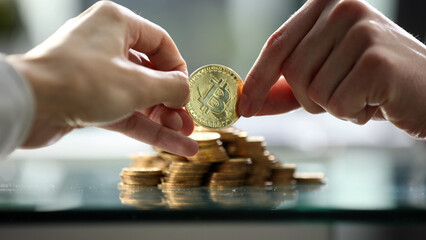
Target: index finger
[152, 40]
[267, 68]
[141, 128]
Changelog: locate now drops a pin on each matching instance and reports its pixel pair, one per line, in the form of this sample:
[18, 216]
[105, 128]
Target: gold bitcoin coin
[215, 91]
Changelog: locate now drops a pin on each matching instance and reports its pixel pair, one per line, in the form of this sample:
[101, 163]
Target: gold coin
[123, 186]
[143, 157]
[202, 137]
[309, 177]
[141, 171]
[171, 157]
[215, 91]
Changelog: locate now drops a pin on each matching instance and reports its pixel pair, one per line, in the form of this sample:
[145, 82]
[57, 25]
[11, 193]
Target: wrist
[39, 77]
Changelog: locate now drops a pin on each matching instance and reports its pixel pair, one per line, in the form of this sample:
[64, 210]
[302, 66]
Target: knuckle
[70, 21]
[374, 59]
[108, 9]
[105, 4]
[348, 10]
[131, 123]
[157, 136]
[274, 40]
[155, 114]
[316, 95]
[290, 69]
[163, 32]
[337, 107]
[251, 77]
[366, 32]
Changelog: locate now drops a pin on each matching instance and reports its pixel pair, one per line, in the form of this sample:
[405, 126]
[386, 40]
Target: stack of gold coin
[185, 174]
[140, 177]
[255, 149]
[141, 160]
[273, 161]
[283, 174]
[210, 149]
[212, 167]
[252, 146]
[236, 147]
[313, 177]
[169, 157]
[229, 134]
[259, 172]
[229, 174]
[143, 198]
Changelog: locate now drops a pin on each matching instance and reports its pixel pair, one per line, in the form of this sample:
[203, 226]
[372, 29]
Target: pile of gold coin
[140, 177]
[250, 163]
[210, 149]
[227, 135]
[283, 174]
[249, 146]
[141, 160]
[255, 149]
[227, 158]
[169, 157]
[185, 174]
[229, 174]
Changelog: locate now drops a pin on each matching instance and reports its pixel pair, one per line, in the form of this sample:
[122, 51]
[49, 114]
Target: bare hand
[109, 68]
[343, 57]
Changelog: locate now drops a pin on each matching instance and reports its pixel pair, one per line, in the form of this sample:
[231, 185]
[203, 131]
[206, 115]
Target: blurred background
[228, 32]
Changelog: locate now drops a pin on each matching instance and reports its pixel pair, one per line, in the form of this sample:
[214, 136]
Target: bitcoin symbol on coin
[216, 98]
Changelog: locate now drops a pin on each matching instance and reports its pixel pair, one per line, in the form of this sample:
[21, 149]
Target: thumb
[154, 87]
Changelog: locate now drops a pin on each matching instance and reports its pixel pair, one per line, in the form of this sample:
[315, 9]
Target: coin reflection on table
[186, 198]
[143, 198]
[229, 197]
[267, 197]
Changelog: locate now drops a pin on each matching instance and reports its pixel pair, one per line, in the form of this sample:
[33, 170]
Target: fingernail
[244, 106]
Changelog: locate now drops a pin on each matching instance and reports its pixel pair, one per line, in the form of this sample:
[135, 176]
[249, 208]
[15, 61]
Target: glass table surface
[362, 184]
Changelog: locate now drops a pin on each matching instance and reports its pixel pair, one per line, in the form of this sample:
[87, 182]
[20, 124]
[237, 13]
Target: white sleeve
[17, 106]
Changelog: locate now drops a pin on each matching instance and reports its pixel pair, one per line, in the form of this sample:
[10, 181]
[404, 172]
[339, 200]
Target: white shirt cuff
[17, 107]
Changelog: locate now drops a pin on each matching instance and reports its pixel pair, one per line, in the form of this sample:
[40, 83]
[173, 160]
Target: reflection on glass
[145, 198]
[270, 197]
